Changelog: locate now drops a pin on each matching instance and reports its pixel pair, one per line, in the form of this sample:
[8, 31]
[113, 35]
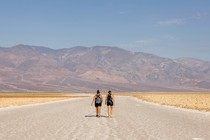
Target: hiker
[98, 102]
[109, 102]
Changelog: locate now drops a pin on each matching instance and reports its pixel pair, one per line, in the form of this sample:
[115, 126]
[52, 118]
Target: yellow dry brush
[24, 99]
[191, 100]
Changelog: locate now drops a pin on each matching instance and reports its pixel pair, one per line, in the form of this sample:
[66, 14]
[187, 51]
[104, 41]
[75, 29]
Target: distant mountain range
[83, 69]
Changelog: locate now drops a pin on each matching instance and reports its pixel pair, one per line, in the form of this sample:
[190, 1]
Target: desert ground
[190, 100]
[73, 118]
[17, 99]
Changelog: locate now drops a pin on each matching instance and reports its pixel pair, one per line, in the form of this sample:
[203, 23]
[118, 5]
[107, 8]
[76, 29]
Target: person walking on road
[110, 103]
[98, 99]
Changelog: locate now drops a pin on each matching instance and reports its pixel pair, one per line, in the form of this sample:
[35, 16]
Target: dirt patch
[24, 99]
[190, 100]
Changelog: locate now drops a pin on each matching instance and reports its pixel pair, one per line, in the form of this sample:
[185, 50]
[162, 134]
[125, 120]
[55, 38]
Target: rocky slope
[81, 69]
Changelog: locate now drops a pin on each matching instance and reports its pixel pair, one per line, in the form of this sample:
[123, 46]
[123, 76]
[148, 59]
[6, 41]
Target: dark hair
[109, 91]
[98, 91]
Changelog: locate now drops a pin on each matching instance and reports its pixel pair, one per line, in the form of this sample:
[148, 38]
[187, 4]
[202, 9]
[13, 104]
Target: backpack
[98, 99]
[109, 99]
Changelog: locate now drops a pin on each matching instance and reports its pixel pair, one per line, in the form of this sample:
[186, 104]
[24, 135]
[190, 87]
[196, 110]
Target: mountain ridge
[25, 68]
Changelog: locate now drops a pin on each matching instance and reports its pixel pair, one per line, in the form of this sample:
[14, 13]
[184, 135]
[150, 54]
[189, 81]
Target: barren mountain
[82, 69]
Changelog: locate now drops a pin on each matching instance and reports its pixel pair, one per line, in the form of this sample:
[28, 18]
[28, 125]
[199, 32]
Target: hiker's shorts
[109, 103]
[96, 104]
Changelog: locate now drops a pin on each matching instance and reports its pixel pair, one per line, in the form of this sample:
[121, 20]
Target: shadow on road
[95, 116]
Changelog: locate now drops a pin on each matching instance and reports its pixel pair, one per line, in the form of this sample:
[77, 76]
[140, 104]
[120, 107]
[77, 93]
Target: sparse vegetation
[191, 100]
[23, 99]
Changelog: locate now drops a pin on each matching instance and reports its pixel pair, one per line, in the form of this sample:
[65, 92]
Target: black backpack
[109, 99]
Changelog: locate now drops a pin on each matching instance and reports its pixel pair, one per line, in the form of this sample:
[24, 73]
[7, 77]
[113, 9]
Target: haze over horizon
[21, 45]
[170, 29]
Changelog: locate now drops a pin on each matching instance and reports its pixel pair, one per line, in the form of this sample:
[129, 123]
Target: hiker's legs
[96, 111]
[99, 110]
[111, 110]
[108, 110]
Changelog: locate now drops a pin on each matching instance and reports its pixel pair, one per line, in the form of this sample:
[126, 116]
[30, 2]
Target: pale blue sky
[168, 28]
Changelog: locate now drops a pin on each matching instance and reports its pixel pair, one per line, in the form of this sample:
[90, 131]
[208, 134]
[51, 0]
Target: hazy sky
[168, 28]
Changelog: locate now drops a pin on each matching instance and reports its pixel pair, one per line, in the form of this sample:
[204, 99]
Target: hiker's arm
[93, 100]
[113, 100]
[101, 99]
[106, 99]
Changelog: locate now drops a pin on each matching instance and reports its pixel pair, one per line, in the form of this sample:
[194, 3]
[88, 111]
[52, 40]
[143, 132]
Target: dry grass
[24, 99]
[191, 100]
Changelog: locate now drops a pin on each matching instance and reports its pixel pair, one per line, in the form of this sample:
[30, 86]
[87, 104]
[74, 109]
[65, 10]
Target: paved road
[74, 119]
